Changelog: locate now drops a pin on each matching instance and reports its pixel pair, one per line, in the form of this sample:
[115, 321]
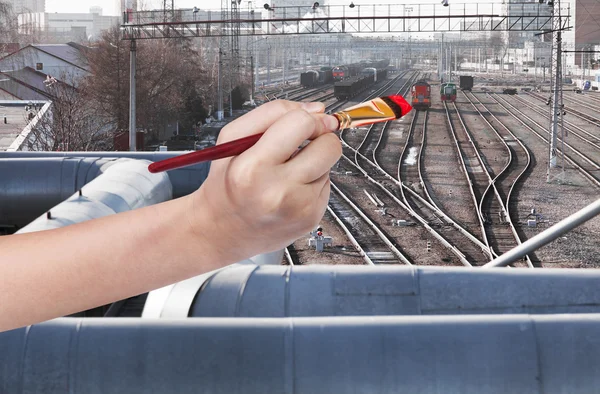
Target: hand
[267, 197]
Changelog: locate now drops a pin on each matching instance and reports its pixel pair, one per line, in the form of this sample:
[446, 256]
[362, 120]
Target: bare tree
[171, 84]
[70, 124]
[8, 23]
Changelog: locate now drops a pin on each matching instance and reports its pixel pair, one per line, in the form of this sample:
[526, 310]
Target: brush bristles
[395, 107]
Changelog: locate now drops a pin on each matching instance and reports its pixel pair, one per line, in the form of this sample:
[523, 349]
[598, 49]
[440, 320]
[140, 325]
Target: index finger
[283, 137]
[258, 120]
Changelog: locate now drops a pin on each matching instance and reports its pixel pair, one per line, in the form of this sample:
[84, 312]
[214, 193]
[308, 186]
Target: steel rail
[350, 236]
[466, 172]
[547, 235]
[539, 109]
[434, 233]
[372, 225]
[595, 181]
[505, 207]
[572, 110]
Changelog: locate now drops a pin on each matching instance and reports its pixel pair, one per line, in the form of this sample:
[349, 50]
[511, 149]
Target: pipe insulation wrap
[124, 185]
[32, 186]
[411, 354]
[34, 182]
[280, 291]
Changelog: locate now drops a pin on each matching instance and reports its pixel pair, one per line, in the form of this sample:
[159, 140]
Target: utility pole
[132, 112]
[556, 99]
[269, 63]
[220, 87]
[224, 50]
[252, 80]
[168, 10]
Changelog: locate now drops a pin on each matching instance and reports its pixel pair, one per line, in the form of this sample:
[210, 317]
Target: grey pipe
[123, 186]
[547, 236]
[185, 180]
[439, 354]
[279, 291]
[32, 186]
[33, 182]
[175, 301]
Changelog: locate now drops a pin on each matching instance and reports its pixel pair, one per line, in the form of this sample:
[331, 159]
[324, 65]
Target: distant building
[78, 26]
[18, 118]
[96, 10]
[25, 6]
[587, 32]
[521, 14]
[62, 61]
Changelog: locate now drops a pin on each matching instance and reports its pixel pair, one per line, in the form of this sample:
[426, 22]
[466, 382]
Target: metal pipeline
[410, 354]
[33, 182]
[124, 185]
[280, 291]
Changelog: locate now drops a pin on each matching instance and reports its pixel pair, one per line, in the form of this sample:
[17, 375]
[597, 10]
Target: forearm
[58, 272]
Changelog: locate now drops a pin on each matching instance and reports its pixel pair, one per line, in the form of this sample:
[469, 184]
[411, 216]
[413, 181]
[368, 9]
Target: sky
[108, 6]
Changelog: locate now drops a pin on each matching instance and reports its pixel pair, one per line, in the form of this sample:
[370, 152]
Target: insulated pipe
[175, 301]
[433, 354]
[123, 186]
[280, 291]
[33, 182]
[185, 180]
[32, 186]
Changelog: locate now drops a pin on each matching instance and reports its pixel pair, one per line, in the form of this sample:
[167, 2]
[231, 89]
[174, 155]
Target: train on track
[350, 87]
[313, 78]
[448, 92]
[421, 95]
[466, 82]
[352, 70]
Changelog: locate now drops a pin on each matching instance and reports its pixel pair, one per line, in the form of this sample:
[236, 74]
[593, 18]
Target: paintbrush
[380, 109]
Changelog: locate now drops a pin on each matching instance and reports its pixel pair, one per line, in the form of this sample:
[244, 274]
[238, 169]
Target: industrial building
[80, 26]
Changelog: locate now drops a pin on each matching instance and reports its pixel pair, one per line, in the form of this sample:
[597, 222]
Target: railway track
[364, 234]
[581, 103]
[369, 145]
[585, 136]
[501, 231]
[375, 246]
[588, 167]
[306, 93]
[471, 163]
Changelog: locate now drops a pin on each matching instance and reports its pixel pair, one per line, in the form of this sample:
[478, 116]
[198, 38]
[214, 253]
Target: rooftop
[70, 52]
[16, 115]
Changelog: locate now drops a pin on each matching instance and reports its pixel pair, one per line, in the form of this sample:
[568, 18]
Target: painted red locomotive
[421, 95]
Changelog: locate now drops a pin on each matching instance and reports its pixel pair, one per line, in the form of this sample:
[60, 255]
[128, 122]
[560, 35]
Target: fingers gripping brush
[380, 109]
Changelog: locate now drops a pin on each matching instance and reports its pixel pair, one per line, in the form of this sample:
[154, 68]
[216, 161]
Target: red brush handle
[228, 149]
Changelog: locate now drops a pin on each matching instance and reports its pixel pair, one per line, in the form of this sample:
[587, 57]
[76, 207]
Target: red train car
[421, 96]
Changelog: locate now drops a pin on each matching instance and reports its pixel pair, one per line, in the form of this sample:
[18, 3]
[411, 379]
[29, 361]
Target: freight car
[343, 90]
[421, 96]
[448, 92]
[309, 79]
[466, 82]
[313, 78]
[378, 74]
[325, 75]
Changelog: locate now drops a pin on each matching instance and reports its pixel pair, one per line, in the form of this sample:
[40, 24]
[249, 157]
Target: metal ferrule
[344, 119]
